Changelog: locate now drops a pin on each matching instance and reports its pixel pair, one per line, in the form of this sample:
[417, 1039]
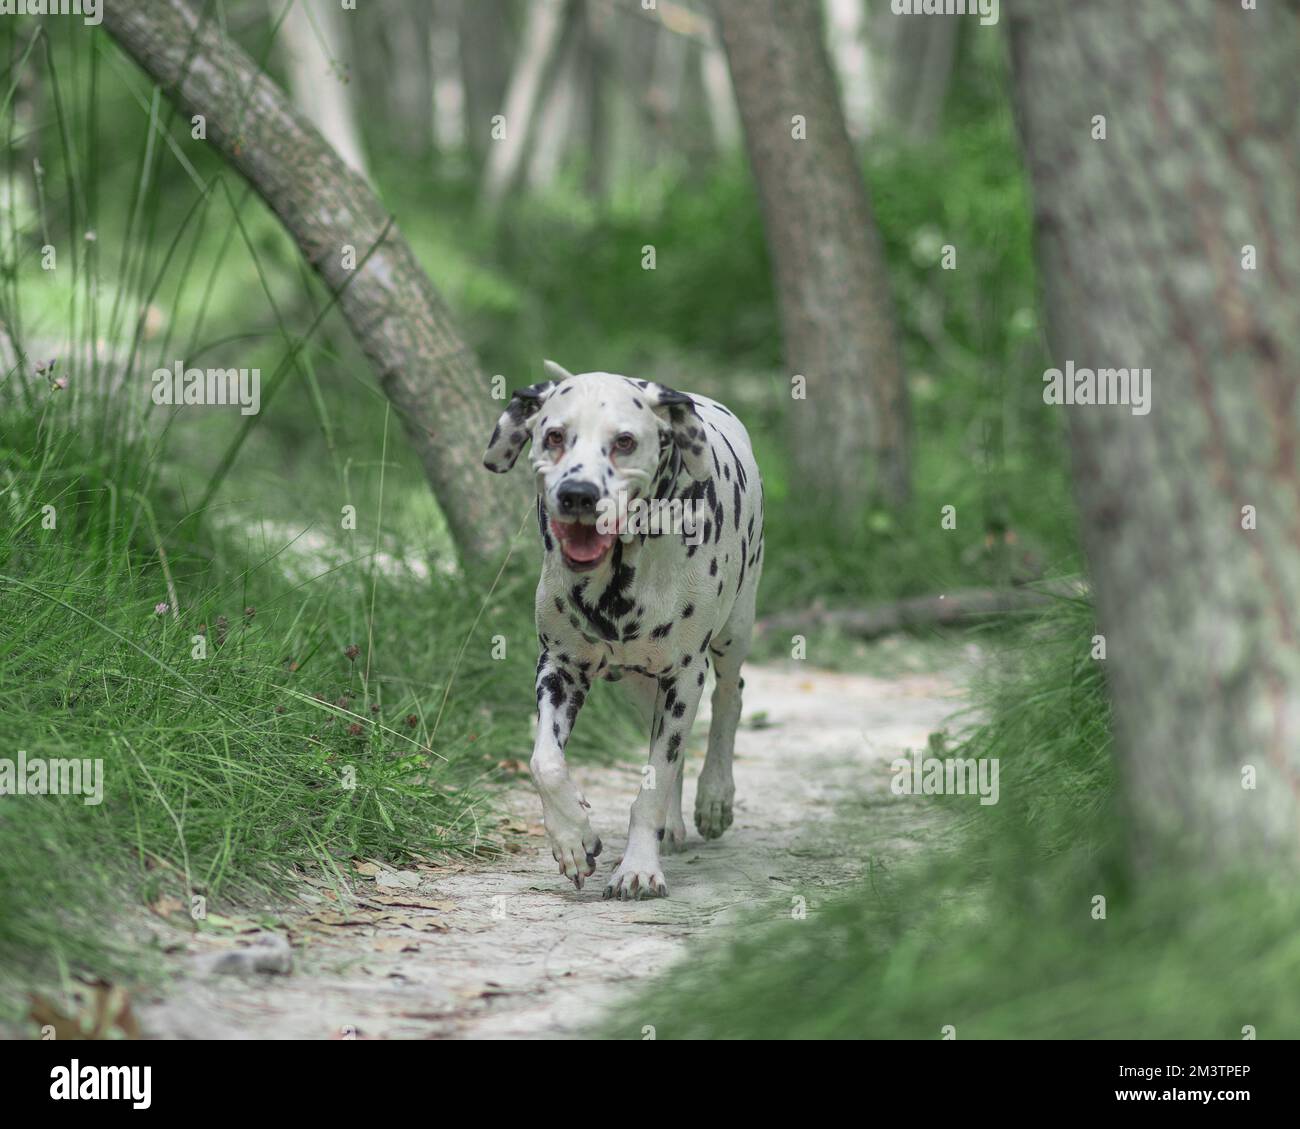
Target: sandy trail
[505, 949]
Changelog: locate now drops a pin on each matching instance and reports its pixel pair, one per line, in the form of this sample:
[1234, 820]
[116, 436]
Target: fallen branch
[948, 609]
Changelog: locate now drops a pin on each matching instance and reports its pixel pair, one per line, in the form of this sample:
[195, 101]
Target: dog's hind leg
[643, 690]
[716, 790]
[639, 874]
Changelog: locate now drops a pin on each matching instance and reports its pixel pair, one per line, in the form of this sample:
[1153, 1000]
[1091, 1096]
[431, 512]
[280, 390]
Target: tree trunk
[486, 48]
[912, 62]
[448, 78]
[836, 313]
[407, 29]
[541, 51]
[720, 99]
[426, 370]
[312, 42]
[845, 33]
[1141, 240]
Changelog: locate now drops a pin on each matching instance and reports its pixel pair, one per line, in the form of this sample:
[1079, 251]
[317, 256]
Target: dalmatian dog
[650, 510]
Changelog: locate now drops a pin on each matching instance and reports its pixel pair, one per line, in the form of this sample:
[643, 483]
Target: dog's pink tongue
[583, 542]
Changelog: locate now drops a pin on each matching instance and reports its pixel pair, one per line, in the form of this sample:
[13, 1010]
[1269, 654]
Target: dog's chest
[655, 608]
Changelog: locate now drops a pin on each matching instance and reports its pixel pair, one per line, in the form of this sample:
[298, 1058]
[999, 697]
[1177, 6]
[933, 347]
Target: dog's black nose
[577, 499]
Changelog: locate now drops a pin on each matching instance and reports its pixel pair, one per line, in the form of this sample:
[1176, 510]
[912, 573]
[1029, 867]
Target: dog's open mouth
[582, 546]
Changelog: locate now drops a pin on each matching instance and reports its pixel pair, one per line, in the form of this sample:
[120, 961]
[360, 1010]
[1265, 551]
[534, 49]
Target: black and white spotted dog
[652, 608]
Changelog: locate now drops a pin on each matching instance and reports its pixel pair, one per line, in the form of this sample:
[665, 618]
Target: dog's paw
[632, 881]
[574, 847]
[712, 817]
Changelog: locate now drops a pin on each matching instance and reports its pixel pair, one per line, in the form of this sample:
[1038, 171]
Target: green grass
[268, 749]
[996, 935]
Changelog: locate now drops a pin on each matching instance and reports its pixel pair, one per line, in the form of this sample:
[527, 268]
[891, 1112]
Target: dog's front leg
[561, 690]
[640, 874]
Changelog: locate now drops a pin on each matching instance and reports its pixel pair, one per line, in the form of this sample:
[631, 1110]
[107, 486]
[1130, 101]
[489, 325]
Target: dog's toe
[630, 883]
[713, 818]
[576, 857]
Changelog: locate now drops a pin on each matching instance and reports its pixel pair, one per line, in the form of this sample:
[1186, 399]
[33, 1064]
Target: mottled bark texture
[850, 435]
[432, 378]
[1141, 241]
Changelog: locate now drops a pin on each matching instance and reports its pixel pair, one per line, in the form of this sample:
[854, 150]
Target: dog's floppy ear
[511, 431]
[677, 410]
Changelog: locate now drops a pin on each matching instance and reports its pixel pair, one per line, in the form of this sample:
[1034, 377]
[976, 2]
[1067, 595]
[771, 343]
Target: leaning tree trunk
[432, 378]
[1191, 513]
[836, 314]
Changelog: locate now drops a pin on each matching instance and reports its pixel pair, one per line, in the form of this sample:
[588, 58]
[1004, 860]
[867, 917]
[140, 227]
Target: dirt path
[507, 950]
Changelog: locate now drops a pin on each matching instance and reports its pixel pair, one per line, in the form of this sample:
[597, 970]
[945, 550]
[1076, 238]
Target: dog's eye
[554, 439]
[625, 443]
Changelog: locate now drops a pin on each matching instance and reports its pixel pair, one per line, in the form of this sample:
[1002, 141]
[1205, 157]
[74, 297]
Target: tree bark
[836, 313]
[1141, 241]
[428, 373]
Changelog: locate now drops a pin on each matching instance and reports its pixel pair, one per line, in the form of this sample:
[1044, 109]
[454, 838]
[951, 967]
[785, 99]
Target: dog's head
[599, 441]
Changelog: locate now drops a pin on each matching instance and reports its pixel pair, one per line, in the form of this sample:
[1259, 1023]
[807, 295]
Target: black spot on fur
[553, 684]
[543, 526]
[674, 747]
